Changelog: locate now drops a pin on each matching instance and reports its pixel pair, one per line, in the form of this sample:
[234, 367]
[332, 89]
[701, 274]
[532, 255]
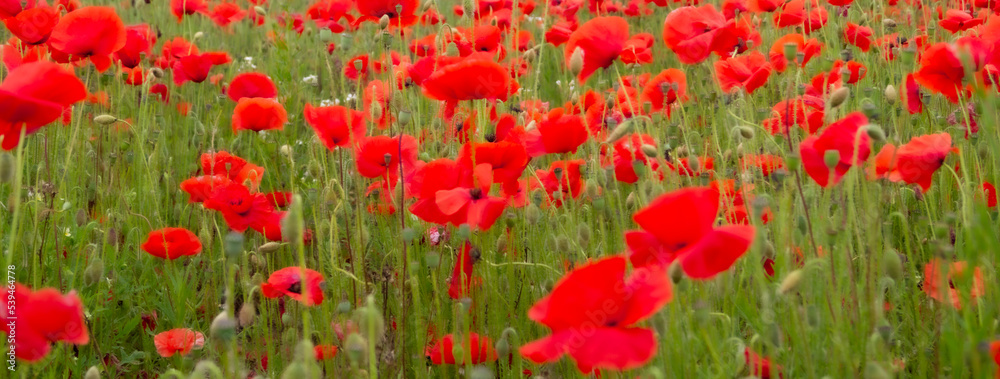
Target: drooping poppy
[680, 226]
[479, 349]
[748, 72]
[172, 243]
[841, 137]
[251, 84]
[178, 341]
[577, 313]
[463, 280]
[601, 39]
[335, 126]
[139, 40]
[953, 283]
[195, 67]
[89, 32]
[34, 95]
[34, 320]
[259, 113]
[302, 285]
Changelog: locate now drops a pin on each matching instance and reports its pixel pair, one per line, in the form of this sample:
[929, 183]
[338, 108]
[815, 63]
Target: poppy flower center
[295, 288]
[476, 193]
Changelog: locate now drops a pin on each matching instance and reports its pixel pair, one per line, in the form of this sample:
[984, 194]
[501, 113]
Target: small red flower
[178, 341]
[748, 72]
[34, 95]
[36, 319]
[916, 161]
[251, 84]
[941, 71]
[171, 243]
[760, 366]
[857, 35]
[89, 32]
[303, 285]
[478, 348]
[601, 39]
[953, 282]
[335, 126]
[462, 278]
[842, 137]
[259, 114]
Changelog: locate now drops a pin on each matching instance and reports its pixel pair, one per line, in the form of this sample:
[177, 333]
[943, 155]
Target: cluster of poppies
[508, 149]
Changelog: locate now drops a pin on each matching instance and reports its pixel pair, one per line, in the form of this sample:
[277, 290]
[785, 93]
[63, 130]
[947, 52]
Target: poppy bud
[875, 132]
[356, 347]
[745, 131]
[869, 109]
[92, 373]
[576, 61]
[532, 214]
[223, 327]
[198, 35]
[790, 282]
[7, 169]
[768, 250]
[369, 321]
[463, 232]
[831, 158]
[620, 131]
[157, 72]
[260, 11]
[452, 49]
[649, 150]
[432, 260]
[891, 94]
[287, 319]
[94, 272]
[105, 119]
[694, 163]
[502, 242]
[247, 314]
[888, 23]
[427, 6]
[404, 117]
[893, 265]
[839, 96]
[81, 217]
[206, 369]
[583, 234]
[790, 50]
[676, 272]
[384, 21]
[233, 245]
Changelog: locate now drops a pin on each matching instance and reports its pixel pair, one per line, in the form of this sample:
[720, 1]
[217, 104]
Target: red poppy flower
[181, 8]
[557, 133]
[953, 282]
[171, 243]
[378, 92]
[478, 348]
[240, 208]
[842, 137]
[626, 153]
[766, 163]
[251, 84]
[857, 35]
[400, 12]
[324, 352]
[990, 193]
[178, 341]
[507, 159]
[200, 188]
[380, 156]
[33, 95]
[224, 14]
[33, 26]
[259, 113]
[690, 31]
[11, 8]
[472, 206]
[139, 40]
[195, 67]
[41, 318]
[231, 166]
[90, 32]
[469, 79]
[437, 175]
[303, 285]
[601, 39]
[592, 312]
[809, 49]
[463, 280]
[664, 89]
[748, 72]
[956, 20]
[559, 33]
[562, 177]
[911, 92]
[679, 226]
[941, 71]
[335, 126]
[916, 161]
[760, 366]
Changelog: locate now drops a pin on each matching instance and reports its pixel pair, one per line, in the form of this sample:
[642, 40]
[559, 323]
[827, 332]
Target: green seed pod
[790, 49]
[649, 150]
[432, 260]
[532, 213]
[105, 119]
[831, 158]
[408, 235]
[793, 162]
[357, 347]
[576, 62]
[206, 370]
[81, 217]
[875, 132]
[839, 96]
[260, 11]
[247, 314]
[269, 247]
[676, 272]
[583, 234]
[463, 232]
[287, 319]
[502, 242]
[746, 132]
[481, 372]
[223, 327]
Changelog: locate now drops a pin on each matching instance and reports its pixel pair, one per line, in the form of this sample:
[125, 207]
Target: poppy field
[500, 188]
